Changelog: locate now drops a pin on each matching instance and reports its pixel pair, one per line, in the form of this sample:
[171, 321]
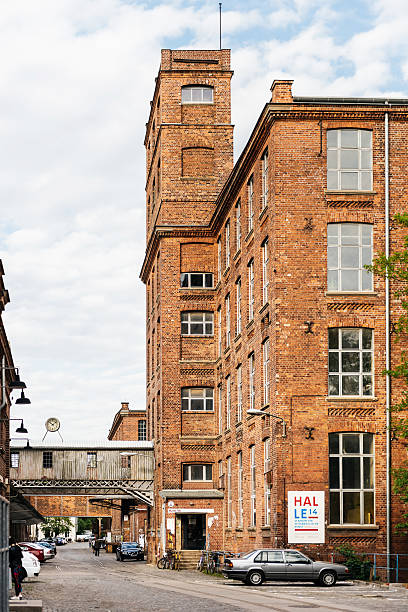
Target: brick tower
[189, 155]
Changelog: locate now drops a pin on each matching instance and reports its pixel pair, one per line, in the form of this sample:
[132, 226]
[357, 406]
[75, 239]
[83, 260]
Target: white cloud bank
[76, 80]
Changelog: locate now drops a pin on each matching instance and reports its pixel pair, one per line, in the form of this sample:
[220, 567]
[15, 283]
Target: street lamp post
[257, 412]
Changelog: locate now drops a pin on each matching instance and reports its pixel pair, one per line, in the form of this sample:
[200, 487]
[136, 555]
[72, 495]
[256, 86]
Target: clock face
[52, 424]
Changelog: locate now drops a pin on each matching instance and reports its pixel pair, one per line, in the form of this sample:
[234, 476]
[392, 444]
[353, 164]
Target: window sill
[237, 255]
[196, 103]
[252, 529]
[263, 212]
[264, 307]
[226, 271]
[197, 412]
[250, 324]
[249, 235]
[266, 528]
[353, 527]
[239, 424]
[227, 350]
[237, 337]
[239, 529]
[197, 335]
[340, 293]
[349, 192]
[217, 286]
[350, 398]
[199, 289]
[197, 178]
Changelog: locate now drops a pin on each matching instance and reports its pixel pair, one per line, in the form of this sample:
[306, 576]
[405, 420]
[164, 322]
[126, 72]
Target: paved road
[76, 581]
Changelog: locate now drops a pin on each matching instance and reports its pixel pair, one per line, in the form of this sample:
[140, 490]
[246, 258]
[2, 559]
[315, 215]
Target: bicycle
[200, 563]
[163, 562]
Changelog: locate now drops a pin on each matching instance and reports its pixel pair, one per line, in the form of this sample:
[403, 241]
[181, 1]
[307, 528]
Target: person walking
[97, 547]
[16, 566]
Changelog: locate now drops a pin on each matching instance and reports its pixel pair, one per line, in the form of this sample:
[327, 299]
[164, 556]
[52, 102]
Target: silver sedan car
[260, 565]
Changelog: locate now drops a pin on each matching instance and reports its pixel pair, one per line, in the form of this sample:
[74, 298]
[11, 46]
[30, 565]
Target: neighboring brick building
[6, 362]
[257, 298]
[129, 424]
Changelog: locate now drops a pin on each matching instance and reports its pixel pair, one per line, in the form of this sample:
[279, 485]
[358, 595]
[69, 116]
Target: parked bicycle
[170, 560]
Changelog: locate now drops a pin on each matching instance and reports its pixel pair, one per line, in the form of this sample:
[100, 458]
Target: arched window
[197, 94]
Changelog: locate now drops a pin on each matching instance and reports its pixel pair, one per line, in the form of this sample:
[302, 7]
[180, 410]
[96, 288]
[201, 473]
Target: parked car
[271, 564]
[129, 550]
[60, 541]
[31, 564]
[37, 551]
[83, 537]
[49, 546]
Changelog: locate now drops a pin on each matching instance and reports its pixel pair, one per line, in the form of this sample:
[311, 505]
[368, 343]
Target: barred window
[351, 473]
[47, 459]
[195, 398]
[197, 323]
[350, 362]
[349, 159]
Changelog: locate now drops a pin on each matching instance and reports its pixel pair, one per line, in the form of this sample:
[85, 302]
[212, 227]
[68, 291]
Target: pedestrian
[97, 546]
[16, 566]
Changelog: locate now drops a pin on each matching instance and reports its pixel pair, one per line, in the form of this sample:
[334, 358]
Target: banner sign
[306, 517]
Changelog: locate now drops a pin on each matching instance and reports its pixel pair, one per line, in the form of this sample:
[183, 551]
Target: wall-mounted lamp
[20, 429]
[257, 412]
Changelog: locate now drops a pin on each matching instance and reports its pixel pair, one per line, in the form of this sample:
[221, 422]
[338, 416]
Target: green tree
[55, 525]
[84, 524]
[396, 268]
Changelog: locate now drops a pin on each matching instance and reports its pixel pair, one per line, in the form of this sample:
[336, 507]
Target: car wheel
[255, 578]
[327, 579]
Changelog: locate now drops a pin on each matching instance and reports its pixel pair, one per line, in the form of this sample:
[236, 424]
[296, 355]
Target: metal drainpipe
[387, 342]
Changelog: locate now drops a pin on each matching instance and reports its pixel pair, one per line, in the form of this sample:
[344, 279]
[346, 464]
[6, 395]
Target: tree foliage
[55, 525]
[396, 268]
[84, 524]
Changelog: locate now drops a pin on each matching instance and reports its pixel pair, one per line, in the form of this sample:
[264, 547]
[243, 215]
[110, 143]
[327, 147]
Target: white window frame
[219, 258]
[239, 393]
[252, 468]
[185, 280]
[227, 244]
[339, 244]
[220, 408]
[267, 467]
[250, 188]
[207, 473]
[227, 321]
[229, 493]
[341, 374]
[266, 377]
[265, 178]
[91, 459]
[14, 459]
[207, 320]
[251, 365]
[251, 292]
[337, 170]
[219, 314]
[340, 491]
[142, 429]
[240, 490]
[206, 397]
[265, 275]
[228, 406]
[238, 224]
[199, 89]
[239, 310]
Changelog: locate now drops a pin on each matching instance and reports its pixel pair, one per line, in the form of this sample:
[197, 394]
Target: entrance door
[193, 532]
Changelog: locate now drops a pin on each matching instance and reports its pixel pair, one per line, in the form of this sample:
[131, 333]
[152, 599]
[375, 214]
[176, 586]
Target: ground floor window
[197, 471]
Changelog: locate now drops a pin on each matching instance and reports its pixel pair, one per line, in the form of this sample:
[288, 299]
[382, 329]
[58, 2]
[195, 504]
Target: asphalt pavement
[77, 581]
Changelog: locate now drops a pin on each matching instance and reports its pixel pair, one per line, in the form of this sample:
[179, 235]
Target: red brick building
[257, 298]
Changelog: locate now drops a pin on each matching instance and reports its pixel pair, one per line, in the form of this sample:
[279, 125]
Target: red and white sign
[306, 517]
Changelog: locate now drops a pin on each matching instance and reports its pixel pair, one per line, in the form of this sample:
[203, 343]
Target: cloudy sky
[76, 80]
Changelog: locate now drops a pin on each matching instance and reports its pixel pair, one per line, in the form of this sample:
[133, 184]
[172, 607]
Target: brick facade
[281, 343]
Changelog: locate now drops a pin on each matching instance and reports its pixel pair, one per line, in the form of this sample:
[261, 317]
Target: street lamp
[257, 412]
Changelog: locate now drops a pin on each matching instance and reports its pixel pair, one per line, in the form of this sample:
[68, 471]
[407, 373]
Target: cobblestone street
[76, 581]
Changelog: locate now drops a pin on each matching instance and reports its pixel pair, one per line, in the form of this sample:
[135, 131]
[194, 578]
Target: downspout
[387, 343]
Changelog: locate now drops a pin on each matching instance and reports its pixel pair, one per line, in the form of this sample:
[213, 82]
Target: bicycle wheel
[161, 564]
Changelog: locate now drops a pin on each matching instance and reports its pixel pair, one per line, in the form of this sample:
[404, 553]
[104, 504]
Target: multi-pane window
[219, 258]
[250, 187]
[91, 459]
[251, 365]
[229, 493]
[219, 315]
[238, 225]
[265, 276]
[220, 473]
[126, 461]
[197, 280]
[196, 94]
[240, 517]
[349, 249]
[220, 409]
[265, 181]
[266, 381]
[197, 323]
[267, 467]
[350, 362]
[196, 471]
[47, 459]
[238, 302]
[227, 321]
[141, 430]
[349, 159]
[251, 296]
[14, 459]
[197, 398]
[252, 468]
[351, 478]
[228, 399]
[239, 393]
[227, 244]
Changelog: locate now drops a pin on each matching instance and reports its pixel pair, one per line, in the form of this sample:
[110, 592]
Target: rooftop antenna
[220, 5]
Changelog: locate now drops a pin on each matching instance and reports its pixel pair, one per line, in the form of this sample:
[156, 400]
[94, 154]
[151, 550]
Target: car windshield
[130, 546]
